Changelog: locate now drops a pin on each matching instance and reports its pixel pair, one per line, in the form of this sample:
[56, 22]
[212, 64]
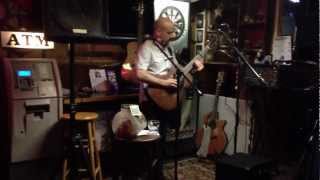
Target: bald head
[164, 30]
[162, 23]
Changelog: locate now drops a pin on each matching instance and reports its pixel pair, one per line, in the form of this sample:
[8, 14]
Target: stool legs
[94, 154]
[65, 169]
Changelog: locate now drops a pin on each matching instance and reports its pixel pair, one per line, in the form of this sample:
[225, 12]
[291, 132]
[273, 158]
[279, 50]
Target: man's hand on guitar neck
[198, 63]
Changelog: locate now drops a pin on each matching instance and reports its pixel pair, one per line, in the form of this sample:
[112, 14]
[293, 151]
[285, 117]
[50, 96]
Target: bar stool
[89, 119]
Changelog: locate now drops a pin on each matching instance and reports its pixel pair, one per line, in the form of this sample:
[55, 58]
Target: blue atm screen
[24, 73]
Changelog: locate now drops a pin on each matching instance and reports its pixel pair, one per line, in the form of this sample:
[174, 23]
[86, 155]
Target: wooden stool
[95, 168]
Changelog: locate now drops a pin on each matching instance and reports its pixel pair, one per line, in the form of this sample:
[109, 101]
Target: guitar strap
[145, 90]
[169, 57]
[174, 61]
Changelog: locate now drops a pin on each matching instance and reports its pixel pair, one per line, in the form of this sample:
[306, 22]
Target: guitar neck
[215, 113]
[140, 21]
[186, 69]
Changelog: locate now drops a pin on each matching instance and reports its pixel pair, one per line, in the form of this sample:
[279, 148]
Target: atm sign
[28, 40]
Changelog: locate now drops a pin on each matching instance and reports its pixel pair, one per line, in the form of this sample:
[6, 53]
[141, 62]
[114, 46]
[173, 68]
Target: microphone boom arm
[243, 59]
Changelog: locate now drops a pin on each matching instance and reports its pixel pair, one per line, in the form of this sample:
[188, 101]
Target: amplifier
[298, 75]
[267, 72]
[293, 75]
[243, 166]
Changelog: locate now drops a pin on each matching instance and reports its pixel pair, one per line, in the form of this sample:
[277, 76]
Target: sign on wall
[27, 40]
[178, 12]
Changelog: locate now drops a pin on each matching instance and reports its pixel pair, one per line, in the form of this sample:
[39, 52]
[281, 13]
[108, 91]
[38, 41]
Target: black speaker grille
[95, 20]
[74, 20]
[81, 15]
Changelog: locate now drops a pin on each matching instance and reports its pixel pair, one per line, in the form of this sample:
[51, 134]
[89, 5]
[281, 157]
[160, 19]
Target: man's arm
[199, 64]
[147, 77]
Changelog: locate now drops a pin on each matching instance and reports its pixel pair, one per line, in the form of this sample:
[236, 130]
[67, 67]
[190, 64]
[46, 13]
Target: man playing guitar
[153, 66]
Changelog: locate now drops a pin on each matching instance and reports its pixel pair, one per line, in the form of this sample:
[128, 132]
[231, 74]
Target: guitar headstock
[140, 8]
[220, 77]
[212, 42]
[219, 81]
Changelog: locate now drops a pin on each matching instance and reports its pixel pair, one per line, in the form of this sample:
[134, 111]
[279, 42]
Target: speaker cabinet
[124, 17]
[242, 166]
[95, 20]
[70, 21]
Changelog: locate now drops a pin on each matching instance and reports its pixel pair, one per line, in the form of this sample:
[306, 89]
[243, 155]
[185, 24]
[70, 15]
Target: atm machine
[32, 102]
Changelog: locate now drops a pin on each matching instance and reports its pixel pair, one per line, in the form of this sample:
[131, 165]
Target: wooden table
[98, 101]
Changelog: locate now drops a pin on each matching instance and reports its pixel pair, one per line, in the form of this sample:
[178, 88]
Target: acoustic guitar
[166, 98]
[128, 70]
[211, 138]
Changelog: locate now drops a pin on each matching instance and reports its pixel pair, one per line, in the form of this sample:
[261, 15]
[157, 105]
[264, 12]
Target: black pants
[168, 119]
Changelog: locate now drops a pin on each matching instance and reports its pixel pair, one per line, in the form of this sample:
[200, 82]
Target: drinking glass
[153, 125]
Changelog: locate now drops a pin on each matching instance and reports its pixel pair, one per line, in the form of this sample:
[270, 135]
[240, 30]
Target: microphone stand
[195, 89]
[75, 139]
[243, 60]
[177, 126]
[180, 72]
[72, 111]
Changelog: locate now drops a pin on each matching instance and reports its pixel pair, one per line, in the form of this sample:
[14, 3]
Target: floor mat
[191, 169]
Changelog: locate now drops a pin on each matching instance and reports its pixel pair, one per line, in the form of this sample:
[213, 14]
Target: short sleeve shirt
[151, 58]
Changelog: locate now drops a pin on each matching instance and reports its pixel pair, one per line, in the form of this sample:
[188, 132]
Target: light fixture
[294, 1]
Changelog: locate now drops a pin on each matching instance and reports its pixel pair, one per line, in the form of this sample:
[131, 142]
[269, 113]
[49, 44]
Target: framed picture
[98, 80]
[282, 48]
[198, 49]
[199, 36]
[199, 21]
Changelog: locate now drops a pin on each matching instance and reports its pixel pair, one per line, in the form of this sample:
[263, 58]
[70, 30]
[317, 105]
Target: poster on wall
[282, 48]
[98, 80]
[178, 12]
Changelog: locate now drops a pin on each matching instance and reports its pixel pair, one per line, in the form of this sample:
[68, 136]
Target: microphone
[223, 27]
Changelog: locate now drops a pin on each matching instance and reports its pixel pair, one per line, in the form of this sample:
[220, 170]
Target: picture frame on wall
[198, 49]
[199, 36]
[199, 21]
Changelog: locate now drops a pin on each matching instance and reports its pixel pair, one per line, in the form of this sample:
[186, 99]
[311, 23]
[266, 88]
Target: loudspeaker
[94, 20]
[243, 166]
[73, 21]
[124, 17]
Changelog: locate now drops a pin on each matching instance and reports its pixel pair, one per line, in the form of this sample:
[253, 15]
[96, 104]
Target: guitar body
[128, 72]
[167, 98]
[211, 138]
[218, 138]
[164, 98]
